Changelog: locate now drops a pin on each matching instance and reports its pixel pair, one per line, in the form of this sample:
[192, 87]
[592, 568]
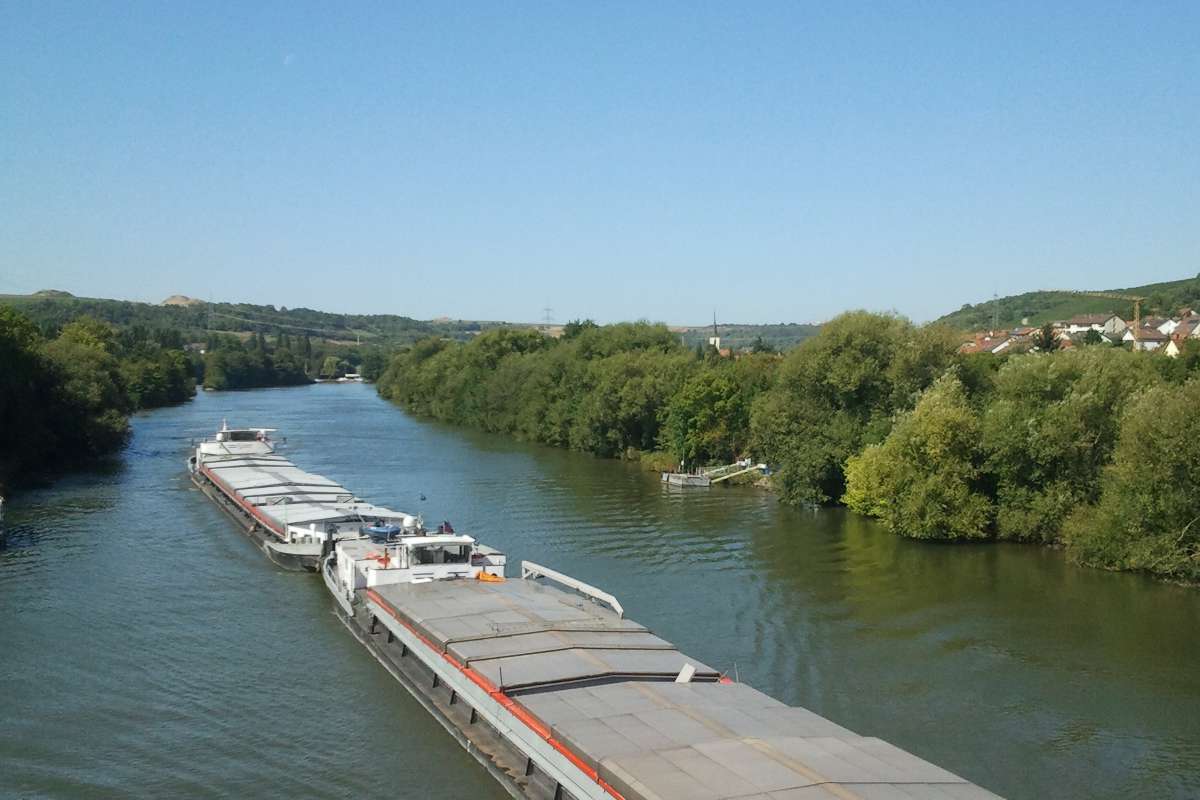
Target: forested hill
[1162, 299]
[51, 310]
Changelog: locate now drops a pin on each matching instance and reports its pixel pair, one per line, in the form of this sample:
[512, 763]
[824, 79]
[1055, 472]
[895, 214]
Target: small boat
[684, 479]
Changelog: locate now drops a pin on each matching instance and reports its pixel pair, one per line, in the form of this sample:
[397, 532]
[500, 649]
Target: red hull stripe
[267, 522]
[506, 702]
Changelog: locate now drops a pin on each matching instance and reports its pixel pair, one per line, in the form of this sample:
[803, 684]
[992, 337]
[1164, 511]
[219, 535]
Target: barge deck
[562, 697]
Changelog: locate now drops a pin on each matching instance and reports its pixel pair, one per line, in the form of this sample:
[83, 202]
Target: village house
[1155, 323]
[987, 343]
[1147, 339]
[1018, 339]
[1188, 328]
[1104, 323]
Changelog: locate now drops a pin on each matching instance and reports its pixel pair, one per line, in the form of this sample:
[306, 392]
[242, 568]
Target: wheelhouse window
[440, 554]
[241, 436]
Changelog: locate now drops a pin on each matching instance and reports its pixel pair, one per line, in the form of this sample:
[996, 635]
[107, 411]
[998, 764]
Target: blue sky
[776, 162]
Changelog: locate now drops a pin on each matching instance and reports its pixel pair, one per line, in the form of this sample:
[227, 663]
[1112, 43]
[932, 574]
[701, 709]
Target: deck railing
[532, 570]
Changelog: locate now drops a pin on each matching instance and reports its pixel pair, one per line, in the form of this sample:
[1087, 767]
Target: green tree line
[618, 390]
[229, 362]
[66, 399]
[1090, 449]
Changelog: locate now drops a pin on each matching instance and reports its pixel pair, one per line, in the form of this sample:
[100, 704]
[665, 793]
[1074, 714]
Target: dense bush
[1148, 514]
[708, 420]
[924, 480]
[1049, 429]
[67, 399]
[837, 393]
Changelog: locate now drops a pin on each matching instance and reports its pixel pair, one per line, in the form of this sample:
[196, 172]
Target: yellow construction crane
[1137, 305]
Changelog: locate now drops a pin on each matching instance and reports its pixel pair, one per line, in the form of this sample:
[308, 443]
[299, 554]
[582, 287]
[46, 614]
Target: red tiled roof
[1186, 327]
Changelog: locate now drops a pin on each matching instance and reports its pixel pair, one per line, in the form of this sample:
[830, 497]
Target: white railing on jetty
[532, 570]
[717, 474]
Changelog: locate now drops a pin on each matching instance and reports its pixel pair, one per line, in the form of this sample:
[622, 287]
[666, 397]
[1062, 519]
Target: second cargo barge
[292, 515]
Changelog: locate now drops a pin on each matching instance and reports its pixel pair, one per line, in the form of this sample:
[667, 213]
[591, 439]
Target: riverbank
[65, 401]
[888, 418]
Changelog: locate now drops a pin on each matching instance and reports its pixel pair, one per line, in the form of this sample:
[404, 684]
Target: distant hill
[51, 309]
[1162, 299]
[181, 300]
[196, 319]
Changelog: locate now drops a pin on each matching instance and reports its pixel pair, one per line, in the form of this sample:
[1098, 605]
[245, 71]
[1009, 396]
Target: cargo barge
[546, 683]
[292, 515]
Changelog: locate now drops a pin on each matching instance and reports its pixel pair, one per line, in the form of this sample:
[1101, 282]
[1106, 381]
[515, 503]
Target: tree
[1093, 337]
[329, 367]
[759, 346]
[1185, 365]
[1148, 514]
[89, 389]
[923, 481]
[374, 362]
[704, 418]
[1045, 340]
[1050, 429]
[838, 392]
[91, 332]
[23, 419]
[577, 326]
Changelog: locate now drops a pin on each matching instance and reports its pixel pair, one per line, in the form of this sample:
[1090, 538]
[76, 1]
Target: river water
[147, 649]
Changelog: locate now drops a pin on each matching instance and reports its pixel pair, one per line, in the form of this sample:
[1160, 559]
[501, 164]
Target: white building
[1147, 338]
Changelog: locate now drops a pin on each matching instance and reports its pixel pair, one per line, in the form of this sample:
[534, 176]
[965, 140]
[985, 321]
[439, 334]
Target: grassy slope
[1039, 307]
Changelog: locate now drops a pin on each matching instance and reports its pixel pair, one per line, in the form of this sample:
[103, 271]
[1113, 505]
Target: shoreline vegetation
[67, 389]
[65, 399]
[1095, 450]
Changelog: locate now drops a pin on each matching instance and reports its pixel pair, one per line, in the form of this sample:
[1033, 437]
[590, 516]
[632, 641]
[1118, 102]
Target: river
[147, 649]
